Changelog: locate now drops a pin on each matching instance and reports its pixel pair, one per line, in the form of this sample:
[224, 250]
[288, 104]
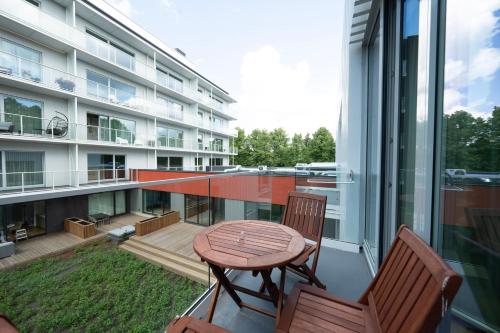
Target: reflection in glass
[24, 114]
[469, 228]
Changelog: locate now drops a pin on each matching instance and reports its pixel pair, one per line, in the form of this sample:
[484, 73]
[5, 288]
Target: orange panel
[255, 188]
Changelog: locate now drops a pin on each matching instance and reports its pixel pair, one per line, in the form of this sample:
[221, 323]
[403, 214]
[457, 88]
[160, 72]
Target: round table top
[248, 244]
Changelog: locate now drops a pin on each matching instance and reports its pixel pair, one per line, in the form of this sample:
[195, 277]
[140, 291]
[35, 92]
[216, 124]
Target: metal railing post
[22, 125]
[53, 181]
[22, 181]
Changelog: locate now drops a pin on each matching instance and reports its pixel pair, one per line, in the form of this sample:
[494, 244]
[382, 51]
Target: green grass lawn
[95, 288]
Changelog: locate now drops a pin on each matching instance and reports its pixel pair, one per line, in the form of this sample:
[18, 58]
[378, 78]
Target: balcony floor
[345, 274]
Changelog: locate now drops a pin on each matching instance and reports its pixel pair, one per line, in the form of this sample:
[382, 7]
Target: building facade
[419, 129]
[86, 95]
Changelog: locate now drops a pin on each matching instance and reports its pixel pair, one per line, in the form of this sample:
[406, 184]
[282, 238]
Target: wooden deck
[172, 248]
[59, 242]
[177, 238]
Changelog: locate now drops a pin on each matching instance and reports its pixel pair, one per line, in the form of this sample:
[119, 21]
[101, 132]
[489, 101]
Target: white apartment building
[86, 94]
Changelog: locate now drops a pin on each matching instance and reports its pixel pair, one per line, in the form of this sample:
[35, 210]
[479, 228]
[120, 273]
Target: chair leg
[312, 277]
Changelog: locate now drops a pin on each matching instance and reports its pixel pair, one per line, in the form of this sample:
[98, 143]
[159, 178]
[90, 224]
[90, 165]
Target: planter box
[79, 227]
[156, 223]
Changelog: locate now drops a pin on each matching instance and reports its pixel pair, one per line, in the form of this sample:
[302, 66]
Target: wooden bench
[192, 325]
[410, 293]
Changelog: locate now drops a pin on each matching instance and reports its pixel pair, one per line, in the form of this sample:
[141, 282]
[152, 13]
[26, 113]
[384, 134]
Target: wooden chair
[6, 326]
[305, 213]
[21, 234]
[410, 293]
[192, 325]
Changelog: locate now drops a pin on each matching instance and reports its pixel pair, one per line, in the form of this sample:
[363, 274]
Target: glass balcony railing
[33, 17]
[36, 73]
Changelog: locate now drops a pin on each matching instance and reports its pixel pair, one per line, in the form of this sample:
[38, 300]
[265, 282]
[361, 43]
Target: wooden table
[251, 246]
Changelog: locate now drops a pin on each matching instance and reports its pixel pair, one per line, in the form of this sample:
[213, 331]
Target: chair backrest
[305, 213]
[413, 287]
[486, 224]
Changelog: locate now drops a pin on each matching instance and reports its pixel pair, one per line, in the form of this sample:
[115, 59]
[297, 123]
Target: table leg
[270, 285]
[213, 302]
[222, 278]
[281, 293]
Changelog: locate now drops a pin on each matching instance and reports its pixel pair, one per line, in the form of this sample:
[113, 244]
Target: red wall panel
[255, 188]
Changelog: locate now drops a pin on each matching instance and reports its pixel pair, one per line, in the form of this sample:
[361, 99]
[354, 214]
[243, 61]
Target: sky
[280, 59]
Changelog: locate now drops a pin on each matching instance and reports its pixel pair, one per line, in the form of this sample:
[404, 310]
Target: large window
[216, 145]
[169, 80]
[468, 234]
[170, 137]
[110, 203]
[105, 167]
[24, 114]
[26, 215]
[263, 211]
[104, 128]
[155, 202]
[174, 109]
[23, 168]
[216, 161]
[197, 209]
[169, 163]
[102, 47]
[20, 61]
[111, 90]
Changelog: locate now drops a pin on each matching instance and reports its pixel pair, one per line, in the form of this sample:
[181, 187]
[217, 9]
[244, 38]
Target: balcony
[48, 80]
[56, 31]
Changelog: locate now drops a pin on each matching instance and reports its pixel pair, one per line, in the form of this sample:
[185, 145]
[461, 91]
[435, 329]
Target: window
[216, 122]
[198, 162]
[168, 80]
[33, 2]
[111, 90]
[217, 161]
[175, 138]
[174, 109]
[23, 168]
[218, 103]
[105, 167]
[104, 128]
[200, 140]
[24, 114]
[176, 163]
[200, 118]
[155, 202]
[197, 209]
[26, 215]
[20, 61]
[263, 211]
[169, 163]
[468, 193]
[216, 145]
[169, 137]
[110, 203]
[103, 48]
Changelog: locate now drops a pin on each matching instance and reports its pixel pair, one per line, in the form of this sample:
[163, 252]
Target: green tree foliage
[275, 148]
[472, 143]
[322, 146]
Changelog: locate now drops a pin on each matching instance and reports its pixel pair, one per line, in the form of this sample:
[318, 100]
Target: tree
[244, 152]
[260, 148]
[322, 146]
[276, 149]
[296, 150]
[278, 141]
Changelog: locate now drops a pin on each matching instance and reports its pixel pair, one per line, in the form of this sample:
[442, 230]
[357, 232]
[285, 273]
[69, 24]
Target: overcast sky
[280, 59]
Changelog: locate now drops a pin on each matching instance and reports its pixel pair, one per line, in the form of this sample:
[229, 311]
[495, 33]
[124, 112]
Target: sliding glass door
[373, 151]
[468, 222]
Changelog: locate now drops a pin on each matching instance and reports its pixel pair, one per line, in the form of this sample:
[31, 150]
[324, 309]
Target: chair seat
[312, 309]
[304, 256]
[193, 325]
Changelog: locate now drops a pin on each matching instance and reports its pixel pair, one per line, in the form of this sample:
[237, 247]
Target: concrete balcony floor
[345, 274]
